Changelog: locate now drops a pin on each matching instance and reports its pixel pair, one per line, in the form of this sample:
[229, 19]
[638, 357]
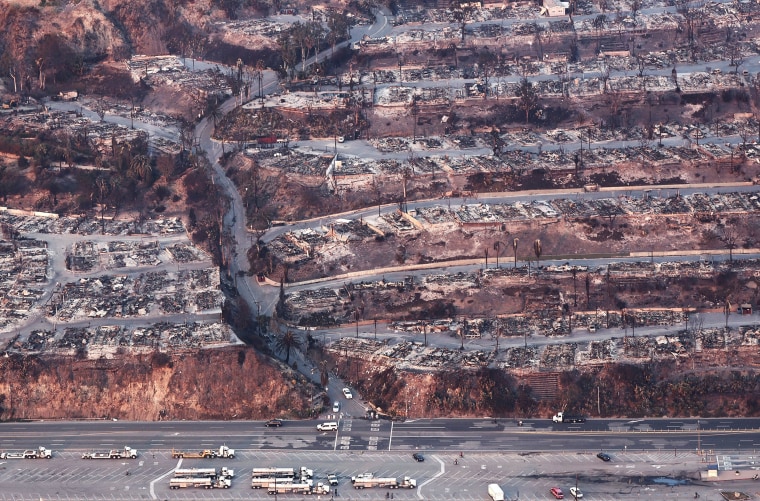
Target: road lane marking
[390, 438]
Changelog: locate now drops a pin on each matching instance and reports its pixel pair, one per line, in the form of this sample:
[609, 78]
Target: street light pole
[699, 440]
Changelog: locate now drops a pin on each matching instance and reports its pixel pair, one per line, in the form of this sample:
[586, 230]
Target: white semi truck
[222, 452]
[273, 473]
[224, 472]
[262, 482]
[205, 482]
[288, 488]
[303, 473]
[225, 452]
[561, 417]
[38, 453]
[126, 452]
[321, 488]
[390, 482]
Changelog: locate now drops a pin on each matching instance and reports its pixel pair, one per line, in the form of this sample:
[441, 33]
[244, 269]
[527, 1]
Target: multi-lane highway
[654, 458]
[365, 435]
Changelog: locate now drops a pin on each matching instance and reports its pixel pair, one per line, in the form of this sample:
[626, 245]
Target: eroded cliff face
[237, 382]
[227, 383]
[92, 30]
[717, 383]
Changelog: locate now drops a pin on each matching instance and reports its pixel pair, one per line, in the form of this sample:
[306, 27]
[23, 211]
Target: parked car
[418, 457]
[332, 479]
[557, 493]
[274, 422]
[604, 456]
[347, 393]
[576, 492]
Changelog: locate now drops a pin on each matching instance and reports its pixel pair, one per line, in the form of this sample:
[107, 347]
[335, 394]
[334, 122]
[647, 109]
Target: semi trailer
[126, 452]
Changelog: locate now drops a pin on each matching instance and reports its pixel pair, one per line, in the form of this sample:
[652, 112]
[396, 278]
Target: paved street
[654, 458]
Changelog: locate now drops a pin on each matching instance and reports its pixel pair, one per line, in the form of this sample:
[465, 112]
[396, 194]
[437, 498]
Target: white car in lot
[576, 492]
[347, 393]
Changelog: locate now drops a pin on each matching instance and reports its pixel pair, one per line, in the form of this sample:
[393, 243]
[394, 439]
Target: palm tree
[537, 250]
[260, 75]
[140, 167]
[287, 342]
[497, 333]
[216, 113]
[324, 373]
[514, 247]
[103, 185]
[575, 288]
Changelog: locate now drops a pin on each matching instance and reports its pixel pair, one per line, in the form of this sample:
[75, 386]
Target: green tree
[486, 64]
[527, 97]
[338, 25]
[287, 342]
[462, 11]
[288, 52]
[324, 373]
[299, 32]
[315, 33]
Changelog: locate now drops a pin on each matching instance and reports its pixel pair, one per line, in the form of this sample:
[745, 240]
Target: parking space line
[441, 472]
[153, 483]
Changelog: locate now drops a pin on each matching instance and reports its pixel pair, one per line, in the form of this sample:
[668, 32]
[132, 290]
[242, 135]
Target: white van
[495, 492]
[328, 426]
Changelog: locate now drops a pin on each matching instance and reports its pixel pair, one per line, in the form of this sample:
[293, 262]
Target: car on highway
[576, 492]
[604, 456]
[418, 457]
[336, 406]
[557, 493]
[274, 422]
[347, 393]
[328, 426]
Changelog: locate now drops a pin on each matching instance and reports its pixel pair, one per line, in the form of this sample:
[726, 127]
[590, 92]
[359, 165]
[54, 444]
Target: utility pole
[699, 440]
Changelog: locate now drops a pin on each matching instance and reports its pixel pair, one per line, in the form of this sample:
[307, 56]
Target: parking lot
[530, 475]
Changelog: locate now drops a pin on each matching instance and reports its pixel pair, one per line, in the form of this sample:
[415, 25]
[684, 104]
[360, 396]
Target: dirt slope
[228, 383]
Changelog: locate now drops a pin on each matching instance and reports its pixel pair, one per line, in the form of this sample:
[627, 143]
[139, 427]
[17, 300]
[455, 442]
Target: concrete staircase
[545, 386]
